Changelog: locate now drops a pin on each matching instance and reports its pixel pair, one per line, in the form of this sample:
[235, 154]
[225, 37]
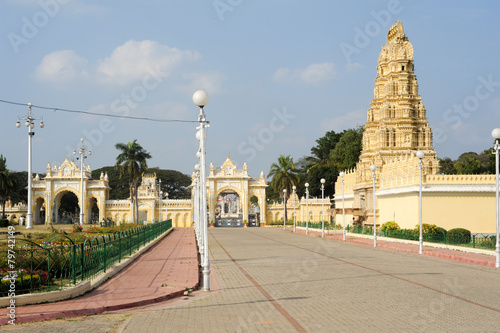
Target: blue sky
[279, 75]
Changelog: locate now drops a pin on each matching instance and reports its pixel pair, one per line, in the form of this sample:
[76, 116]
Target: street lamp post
[160, 193]
[496, 135]
[200, 98]
[307, 208]
[166, 206]
[284, 208]
[342, 174]
[196, 208]
[322, 207]
[293, 194]
[81, 152]
[373, 167]
[30, 123]
[160, 217]
[420, 155]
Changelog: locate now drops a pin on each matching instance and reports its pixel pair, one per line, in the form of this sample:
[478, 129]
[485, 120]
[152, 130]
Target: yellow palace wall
[475, 212]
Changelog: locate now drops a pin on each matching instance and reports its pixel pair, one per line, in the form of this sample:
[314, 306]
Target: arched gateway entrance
[229, 194]
[65, 182]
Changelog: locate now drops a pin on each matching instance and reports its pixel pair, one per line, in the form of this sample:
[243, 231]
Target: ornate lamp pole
[284, 208]
[30, 123]
[322, 207]
[200, 98]
[342, 174]
[373, 167]
[420, 155]
[81, 152]
[293, 194]
[496, 135]
[307, 207]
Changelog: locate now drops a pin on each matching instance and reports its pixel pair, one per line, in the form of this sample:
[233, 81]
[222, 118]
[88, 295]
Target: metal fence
[459, 238]
[452, 237]
[60, 263]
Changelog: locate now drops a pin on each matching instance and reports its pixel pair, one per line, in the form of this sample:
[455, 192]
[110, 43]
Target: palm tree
[6, 183]
[283, 177]
[132, 162]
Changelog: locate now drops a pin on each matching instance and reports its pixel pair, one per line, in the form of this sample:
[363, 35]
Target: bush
[458, 236]
[4, 223]
[439, 235]
[426, 228]
[389, 226]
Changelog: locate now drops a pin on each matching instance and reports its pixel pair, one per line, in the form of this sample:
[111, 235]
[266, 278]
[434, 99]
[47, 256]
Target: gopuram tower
[396, 126]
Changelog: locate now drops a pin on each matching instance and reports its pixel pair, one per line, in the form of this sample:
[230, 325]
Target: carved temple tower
[396, 125]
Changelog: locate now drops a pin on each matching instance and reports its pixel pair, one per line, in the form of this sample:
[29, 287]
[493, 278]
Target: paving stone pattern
[270, 280]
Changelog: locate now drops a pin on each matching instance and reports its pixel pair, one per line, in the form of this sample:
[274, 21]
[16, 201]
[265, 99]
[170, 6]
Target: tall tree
[320, 165]
[447, 167]
[7, 184]
[346, 153]
[283, 177]
[132, 163]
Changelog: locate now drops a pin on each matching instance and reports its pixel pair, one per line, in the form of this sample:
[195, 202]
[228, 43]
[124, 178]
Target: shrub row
[430, 232]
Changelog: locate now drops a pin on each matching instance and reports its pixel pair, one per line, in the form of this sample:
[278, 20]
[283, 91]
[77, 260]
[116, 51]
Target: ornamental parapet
[349, 182]
[460, 179]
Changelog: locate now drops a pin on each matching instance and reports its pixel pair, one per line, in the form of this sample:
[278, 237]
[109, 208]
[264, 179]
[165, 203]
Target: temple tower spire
[396, 120]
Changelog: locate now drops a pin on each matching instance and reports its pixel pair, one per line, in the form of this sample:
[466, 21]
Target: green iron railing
[55, 265]
[480, 241]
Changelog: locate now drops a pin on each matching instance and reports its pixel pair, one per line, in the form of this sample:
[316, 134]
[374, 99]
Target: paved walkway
[463, 254]
[163, 272]
[276, 281]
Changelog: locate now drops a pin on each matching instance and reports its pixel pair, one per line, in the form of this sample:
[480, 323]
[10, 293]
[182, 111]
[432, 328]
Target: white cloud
[134, 60]
[209, 81]
[312, 74]
[144, 63]
[353, 66]
[62, 66]
[349, 120]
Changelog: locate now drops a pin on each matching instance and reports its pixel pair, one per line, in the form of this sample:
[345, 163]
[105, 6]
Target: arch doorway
[254, 212]
[93, 212]
[39, 211]
[67, 209]
[229, 211]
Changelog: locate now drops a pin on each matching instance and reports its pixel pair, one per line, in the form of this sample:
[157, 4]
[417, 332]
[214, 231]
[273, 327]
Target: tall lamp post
[200, 98]
[322, 207]
[420, 155]
[30, 123]
[294, 217]
[81, 151]
[342, 174]
[196, 208]
[160, 217]
[373, 167]
[496, 135]
[307, 208]
[166, 206]
[160, 193]
[284, 208]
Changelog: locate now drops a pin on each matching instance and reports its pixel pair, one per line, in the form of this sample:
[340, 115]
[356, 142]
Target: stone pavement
[464, 254]
[272, 280]
[162, 272]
